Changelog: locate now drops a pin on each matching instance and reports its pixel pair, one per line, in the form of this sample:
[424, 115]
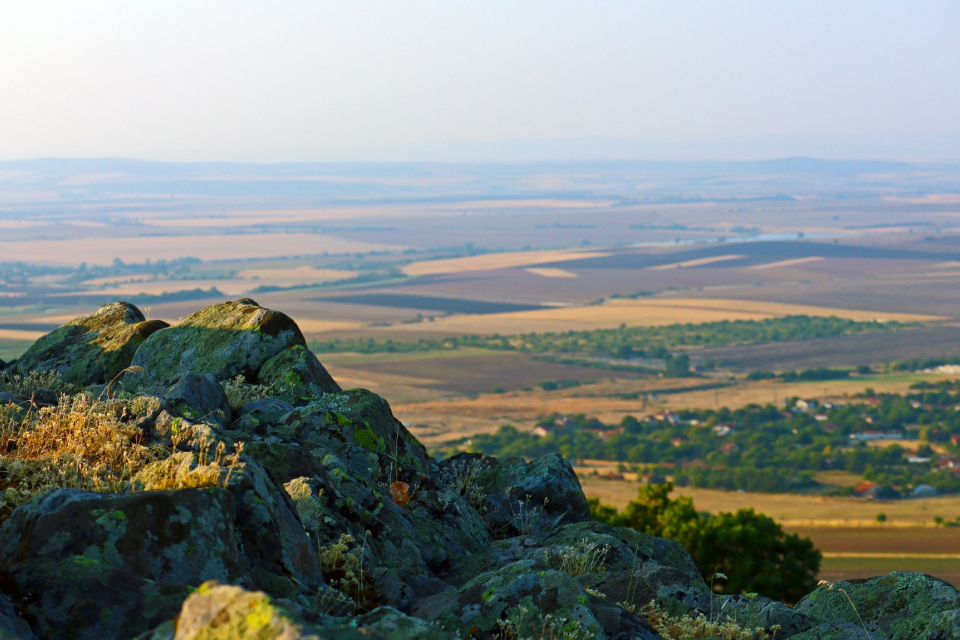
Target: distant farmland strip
[27, 326]
[430, 303]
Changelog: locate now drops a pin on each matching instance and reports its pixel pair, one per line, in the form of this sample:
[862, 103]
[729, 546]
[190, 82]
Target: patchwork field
[427, 253]
[649, 312]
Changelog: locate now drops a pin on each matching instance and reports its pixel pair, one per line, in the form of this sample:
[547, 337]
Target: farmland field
[426, 253]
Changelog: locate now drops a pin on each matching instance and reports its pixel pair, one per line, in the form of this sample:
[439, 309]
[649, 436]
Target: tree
[750, 548]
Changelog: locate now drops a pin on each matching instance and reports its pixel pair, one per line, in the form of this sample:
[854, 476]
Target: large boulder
[198, 398]
[752, 611]
[224, 340]
[93, 349]
[624, 565]
[521, 496]
[12, 627]
[528, 599]
[277, 555]
[898, 606]
[88, 565]
[223, 612]
[297, 374]
[838, 630]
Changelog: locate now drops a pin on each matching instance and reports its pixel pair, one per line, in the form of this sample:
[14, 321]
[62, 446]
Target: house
[868, 490]
[677, 442]
[877, 435]
[730, 447]
[723, 429]
[955, 439]
[947, 462]
[806, 404]
[917, 459]
[924, 491]
[604, 432]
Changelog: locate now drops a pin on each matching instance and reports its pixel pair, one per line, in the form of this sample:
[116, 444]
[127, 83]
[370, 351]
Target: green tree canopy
[751, 549]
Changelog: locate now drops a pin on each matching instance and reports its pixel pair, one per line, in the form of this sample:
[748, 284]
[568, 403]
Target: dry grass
[491, 261]
[696, 625]
[88, 444]
[78, 444]
[550, 272]
[792, 510]
[212, 247]
[695, 263]
[785, 263]
[646, 312]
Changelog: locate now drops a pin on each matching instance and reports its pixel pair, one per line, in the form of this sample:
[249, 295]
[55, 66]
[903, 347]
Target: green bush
[751, 549]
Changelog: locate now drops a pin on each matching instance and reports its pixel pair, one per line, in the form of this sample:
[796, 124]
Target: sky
[451, 80]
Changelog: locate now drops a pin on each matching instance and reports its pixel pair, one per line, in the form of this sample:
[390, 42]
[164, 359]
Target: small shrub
[582, 558]
[691, 626]
[342, 567]
[24, 385]
[462, 477]
[524, 516]
[79, 444]
[239, 392]
[522, 624]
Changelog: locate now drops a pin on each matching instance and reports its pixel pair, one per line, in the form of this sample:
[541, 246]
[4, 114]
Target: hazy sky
[515, 79]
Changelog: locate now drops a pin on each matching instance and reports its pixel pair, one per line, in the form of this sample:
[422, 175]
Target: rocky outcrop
[224, 340]
[899, 606]
[267, 503]
[93, 349]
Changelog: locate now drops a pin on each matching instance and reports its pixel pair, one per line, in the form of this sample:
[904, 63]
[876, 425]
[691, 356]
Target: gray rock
[752, 611]
[198, 398]
[898, 606]
[944, 626]
[12, 627]
[533, 599]
[93, 349]
[224, 340]
[624, 565]
[89, 565]
[299, 374]
[223, 612]
[522, 497]
[837, 630]
[277, 555]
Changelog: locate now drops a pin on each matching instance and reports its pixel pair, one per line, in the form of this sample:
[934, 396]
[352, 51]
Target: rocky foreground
[211, 480]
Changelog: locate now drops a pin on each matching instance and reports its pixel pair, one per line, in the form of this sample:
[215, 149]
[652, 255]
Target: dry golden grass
[644, 313]
[211, 247]
[79, 444]
[87, 444]
[791, 509]
[550, 272]
[786, 263]
[772, 392]
[692, 626]
[490, 261]
[694, 263]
